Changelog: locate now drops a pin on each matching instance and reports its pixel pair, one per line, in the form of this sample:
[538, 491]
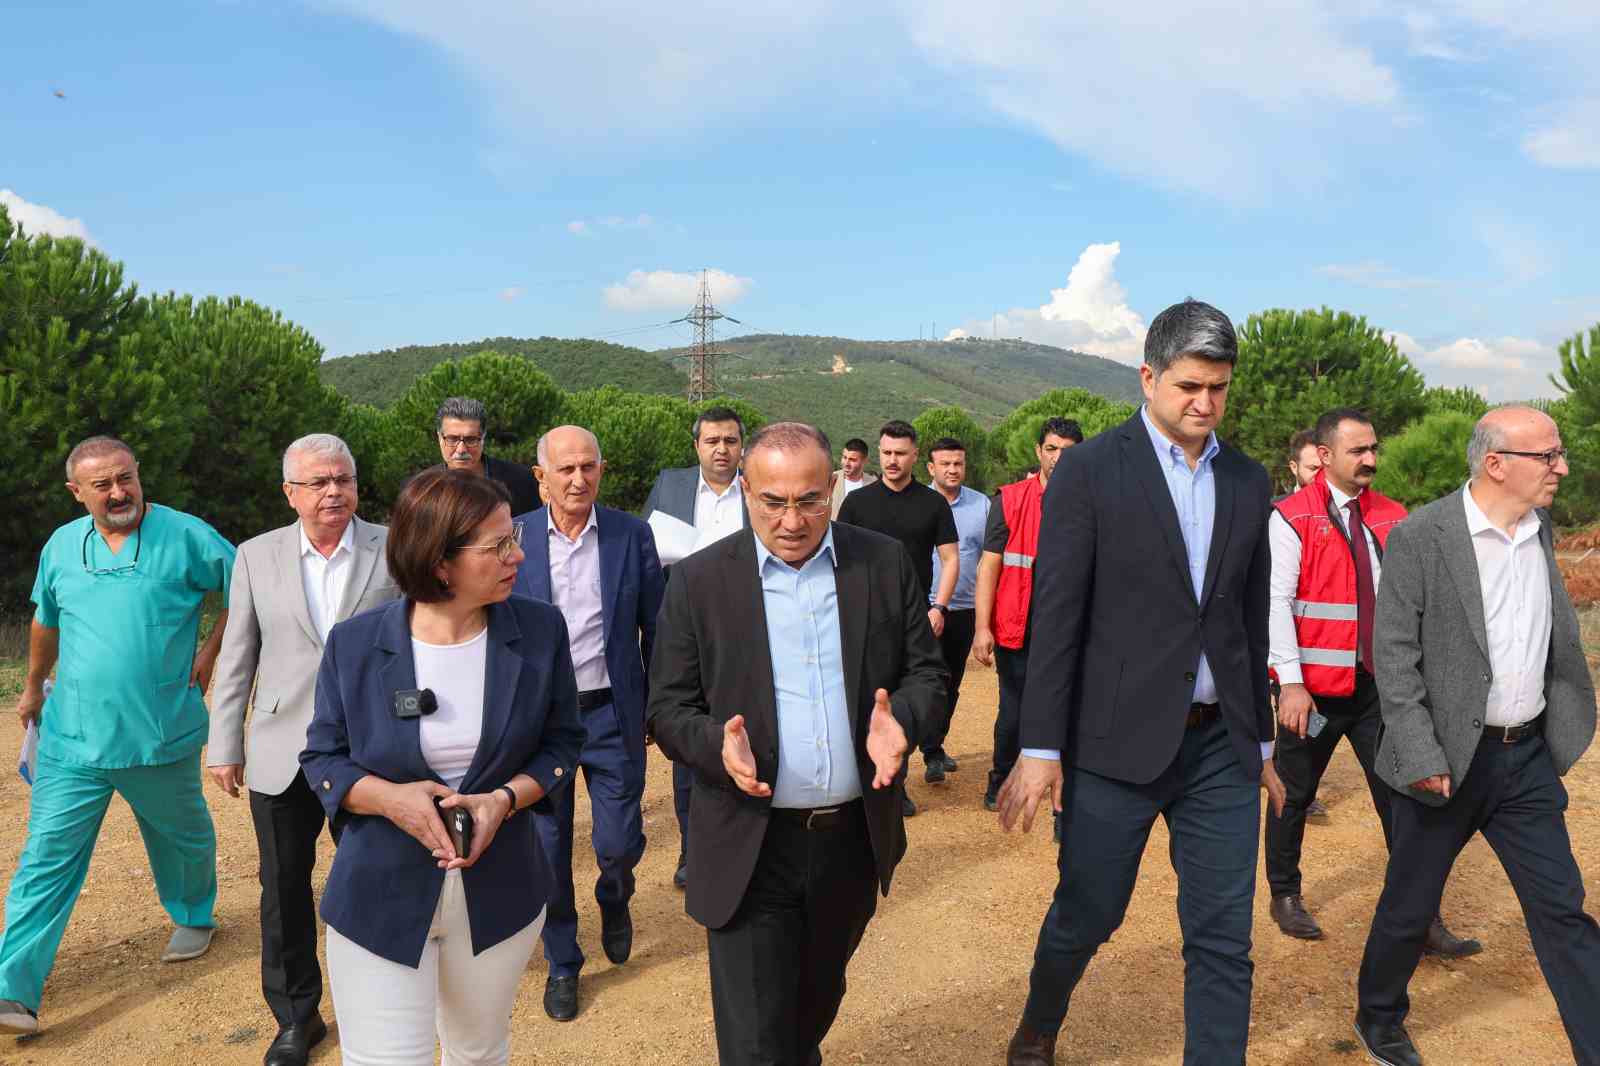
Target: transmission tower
[703, 353]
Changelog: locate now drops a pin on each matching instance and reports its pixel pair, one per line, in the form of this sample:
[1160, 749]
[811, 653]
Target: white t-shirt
[455, 673]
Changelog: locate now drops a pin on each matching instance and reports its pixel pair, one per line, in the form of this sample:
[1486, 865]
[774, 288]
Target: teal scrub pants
[69, 803]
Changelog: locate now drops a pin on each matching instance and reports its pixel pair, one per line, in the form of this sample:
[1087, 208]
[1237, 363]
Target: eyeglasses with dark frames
[1551, 457]
[456, 442]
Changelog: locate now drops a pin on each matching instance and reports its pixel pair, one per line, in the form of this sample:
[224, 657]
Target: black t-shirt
[996, 533]
[918, 517]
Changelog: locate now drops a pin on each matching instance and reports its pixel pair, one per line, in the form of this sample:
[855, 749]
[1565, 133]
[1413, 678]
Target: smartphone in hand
[458, 823]
[1315, 723]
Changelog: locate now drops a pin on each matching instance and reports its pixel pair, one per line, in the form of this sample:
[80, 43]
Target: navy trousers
[616, 786]
[1511, 795]
[682, 780]
[1213, 813]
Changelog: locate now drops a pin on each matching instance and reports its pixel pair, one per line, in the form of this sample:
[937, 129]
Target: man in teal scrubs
[118, 611]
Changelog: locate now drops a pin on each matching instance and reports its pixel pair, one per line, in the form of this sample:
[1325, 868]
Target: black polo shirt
[917, 516]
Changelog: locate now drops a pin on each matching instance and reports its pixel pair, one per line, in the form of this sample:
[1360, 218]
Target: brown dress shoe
[1444, 944]
[1029, 1048]
[1290, 914]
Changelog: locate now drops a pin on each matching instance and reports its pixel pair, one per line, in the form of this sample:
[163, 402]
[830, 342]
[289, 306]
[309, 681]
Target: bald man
[600, 568]
[1487, 701]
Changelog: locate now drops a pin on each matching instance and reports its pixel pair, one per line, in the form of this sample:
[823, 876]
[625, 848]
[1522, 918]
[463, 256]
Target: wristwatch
[942, 608]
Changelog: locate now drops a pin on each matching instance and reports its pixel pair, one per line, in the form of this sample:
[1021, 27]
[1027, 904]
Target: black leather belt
[1203, 714]
[819, 817]
[1513, 734]
[595, 697]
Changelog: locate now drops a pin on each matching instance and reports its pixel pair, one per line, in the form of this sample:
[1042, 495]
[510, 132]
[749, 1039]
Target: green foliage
[1294, 365]
[1013, 441]
[521, 399]
[952, 421]
[1427, 460]
[1461, 398]
[1577, 415]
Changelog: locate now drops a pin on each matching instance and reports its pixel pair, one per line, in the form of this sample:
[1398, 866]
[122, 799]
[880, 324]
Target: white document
[28, 758]
[676, 539]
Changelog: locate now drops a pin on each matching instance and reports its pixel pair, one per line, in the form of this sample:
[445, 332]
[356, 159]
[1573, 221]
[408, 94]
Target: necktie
[1366, 593]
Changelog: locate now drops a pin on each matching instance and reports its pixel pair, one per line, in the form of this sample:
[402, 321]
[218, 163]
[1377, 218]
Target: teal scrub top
[128, 631]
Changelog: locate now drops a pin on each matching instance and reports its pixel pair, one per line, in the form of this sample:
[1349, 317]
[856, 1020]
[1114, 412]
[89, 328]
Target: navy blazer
[631, 586]
[384, 885]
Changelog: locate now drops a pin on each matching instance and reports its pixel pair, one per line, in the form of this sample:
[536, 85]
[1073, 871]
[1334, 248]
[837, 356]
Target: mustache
[1366, 470]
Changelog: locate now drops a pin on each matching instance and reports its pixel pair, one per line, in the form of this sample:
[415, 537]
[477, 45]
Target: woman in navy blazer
[416, 931]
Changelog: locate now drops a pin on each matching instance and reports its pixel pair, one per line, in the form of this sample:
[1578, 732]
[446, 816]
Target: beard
[125, 518]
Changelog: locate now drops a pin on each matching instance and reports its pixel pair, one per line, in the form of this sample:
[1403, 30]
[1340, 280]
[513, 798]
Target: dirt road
[940, 978]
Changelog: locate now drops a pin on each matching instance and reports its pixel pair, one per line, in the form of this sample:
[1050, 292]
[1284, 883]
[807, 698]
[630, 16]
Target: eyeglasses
[1551, 457]
[126, 568]
[456, 442]
[811, 506]
[320, 484]
[505, 549]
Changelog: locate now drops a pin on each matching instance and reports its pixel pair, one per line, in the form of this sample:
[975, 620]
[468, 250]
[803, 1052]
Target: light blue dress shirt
[971, 512]
[816, 751]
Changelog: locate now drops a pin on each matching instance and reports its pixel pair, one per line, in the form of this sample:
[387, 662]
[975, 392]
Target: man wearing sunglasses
[117, 616]
[290, 586]
[462, 427]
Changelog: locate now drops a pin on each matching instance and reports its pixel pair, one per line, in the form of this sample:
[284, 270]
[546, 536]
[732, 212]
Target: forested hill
[848, 387]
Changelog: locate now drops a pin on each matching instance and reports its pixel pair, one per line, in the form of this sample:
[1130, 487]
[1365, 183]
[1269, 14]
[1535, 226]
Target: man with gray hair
[118, 599]
[1487, 701]
[289, 588]
[462, 427]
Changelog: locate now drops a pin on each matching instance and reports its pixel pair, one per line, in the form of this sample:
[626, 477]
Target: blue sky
[407, 171]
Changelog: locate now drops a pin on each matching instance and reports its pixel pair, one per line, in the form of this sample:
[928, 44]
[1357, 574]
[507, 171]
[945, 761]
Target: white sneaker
[188, 942]
[15, 1018]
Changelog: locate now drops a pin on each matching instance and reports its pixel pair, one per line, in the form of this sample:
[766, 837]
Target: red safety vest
[1022, 502]
[1325, 600]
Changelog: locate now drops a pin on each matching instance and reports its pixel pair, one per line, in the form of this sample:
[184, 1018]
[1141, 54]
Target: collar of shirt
[1171, 452]
[347, 542]
[1478, 522]
[763, 556]
[705, 486]
[593, 523]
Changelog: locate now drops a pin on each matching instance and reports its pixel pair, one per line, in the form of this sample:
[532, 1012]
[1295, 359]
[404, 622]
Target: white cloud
[1572, 142]
[38, 220]
[1090, 315]
[1501, 369]
[666, 290]
[1472, 353]
[1373, 274]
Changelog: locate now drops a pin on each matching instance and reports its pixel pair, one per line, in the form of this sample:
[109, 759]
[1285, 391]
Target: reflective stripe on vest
[1327, 657]
[1330, 612]
[1017, 559]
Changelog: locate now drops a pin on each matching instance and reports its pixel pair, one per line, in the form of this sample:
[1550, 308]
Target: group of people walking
[1168, 640]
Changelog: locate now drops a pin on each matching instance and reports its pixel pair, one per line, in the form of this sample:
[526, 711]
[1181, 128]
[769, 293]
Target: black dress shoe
[991, 795]
[616, 933]
[908, 809]
[1317, 813]
[292, 1046]
[950, 765]
[680, 876]
[1028, 1048]
[933, 772]
[1387, 1045]
[1443, 944]
[1293, 919]
[561, 998]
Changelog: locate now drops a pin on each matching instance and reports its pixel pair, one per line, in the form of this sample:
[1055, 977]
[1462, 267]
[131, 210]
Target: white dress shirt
[1283, 652]
[326, 578]
[717, 511]
[1515, 582]
[575, 588]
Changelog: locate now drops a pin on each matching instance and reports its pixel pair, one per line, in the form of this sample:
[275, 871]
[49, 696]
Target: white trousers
[389, 1014]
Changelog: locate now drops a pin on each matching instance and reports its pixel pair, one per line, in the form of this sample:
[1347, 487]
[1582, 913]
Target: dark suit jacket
[384, 886]
[517, 479]
[673, 494]
[712, 662]
[1116, 628]
[630, 597]
[1431, 644]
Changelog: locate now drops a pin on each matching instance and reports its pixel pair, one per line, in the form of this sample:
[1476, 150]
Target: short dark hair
[718, 414]
[899, 430]
[1190, 328]
[947, 444]
[96, 448]
[1299, 442]
[856, 444]
[1065, 428]
[462, 409]
[790, 437]
[1329, 422]
[433, 519]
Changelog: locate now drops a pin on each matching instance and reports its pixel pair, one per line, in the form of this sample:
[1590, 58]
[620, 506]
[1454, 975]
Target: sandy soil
[940, 978]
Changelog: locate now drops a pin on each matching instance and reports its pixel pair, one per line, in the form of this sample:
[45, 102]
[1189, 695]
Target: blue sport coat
[631, 586]
[384, 885]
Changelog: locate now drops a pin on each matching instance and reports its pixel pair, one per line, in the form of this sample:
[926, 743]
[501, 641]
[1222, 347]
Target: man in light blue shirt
[947, 473]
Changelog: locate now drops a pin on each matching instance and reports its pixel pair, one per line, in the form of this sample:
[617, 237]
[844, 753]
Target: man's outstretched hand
[886, 741]
[739, 760]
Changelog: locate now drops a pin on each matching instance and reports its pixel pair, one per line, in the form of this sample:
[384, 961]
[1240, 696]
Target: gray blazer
[1430, 647]
[673, 494]
[271, 646]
